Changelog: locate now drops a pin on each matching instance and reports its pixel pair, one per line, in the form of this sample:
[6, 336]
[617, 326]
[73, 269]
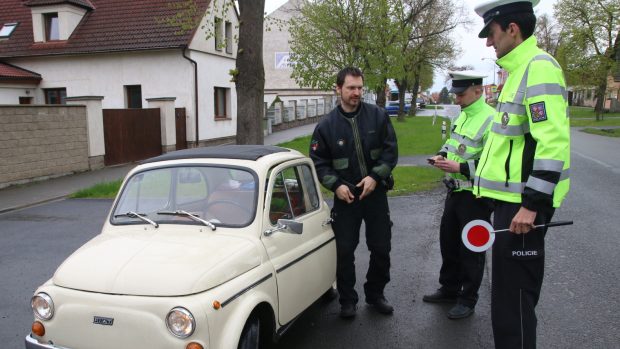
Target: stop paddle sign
[478, 235]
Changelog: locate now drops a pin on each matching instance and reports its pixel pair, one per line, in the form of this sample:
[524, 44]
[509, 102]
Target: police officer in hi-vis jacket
[461, 269]
[524, 166]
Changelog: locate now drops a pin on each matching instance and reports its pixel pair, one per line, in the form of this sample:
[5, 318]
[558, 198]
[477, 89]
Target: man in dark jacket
[354, 151]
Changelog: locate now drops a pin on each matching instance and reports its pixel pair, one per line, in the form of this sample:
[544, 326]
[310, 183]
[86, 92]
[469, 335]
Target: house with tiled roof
[126, 52]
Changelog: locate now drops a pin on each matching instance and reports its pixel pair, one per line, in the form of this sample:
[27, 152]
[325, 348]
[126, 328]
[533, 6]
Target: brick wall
[38, 142]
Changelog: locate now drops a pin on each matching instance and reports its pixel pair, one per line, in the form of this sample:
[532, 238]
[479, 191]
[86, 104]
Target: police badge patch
[538, 112]
[462, 148]
[505, 120]
[314, 145]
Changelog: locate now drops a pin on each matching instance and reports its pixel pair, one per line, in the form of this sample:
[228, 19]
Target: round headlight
[180, 322]
[42, 306]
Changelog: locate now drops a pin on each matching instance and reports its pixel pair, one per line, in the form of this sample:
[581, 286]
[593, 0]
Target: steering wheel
[226, 202]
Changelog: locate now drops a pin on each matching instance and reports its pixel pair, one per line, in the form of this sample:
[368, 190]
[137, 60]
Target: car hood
[158, 262]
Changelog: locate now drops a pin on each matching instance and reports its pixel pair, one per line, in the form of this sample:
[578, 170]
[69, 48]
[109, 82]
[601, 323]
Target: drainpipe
[195, 64]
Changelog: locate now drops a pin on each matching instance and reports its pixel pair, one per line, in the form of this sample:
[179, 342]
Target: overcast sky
[473, 49]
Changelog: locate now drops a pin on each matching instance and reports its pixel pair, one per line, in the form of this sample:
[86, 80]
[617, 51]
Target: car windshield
[221, 196]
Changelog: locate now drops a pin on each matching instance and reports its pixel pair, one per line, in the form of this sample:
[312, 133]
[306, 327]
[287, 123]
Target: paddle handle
[548, 225]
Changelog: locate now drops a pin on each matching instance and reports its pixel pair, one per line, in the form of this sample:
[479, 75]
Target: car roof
[238, 152]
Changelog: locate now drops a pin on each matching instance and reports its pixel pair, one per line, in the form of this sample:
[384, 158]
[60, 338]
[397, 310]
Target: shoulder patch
[538, 112]
[314, 145]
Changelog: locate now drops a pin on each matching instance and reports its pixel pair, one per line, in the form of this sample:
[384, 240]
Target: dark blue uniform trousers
[517, 276]
[461, 269]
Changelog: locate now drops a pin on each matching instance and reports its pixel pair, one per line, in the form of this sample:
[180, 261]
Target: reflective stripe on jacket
[469, 131]
[527, 156]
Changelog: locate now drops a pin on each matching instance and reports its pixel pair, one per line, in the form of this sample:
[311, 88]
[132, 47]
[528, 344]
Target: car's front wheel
[250, 336]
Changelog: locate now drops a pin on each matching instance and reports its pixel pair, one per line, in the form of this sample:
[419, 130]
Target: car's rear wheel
[250, 336]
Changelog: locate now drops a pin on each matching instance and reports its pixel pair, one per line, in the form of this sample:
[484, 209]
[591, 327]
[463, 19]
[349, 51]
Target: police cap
[491, 9]
[461, 80]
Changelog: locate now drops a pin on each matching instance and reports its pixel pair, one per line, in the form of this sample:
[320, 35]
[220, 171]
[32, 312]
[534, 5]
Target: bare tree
[548, 34]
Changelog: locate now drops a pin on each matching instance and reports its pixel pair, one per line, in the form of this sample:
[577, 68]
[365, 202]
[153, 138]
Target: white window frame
[7, 30]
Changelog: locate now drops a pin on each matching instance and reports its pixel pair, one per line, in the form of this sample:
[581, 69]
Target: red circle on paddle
[478, 235]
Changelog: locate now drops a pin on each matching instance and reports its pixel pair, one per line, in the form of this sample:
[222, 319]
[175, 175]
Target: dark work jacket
[345, 150]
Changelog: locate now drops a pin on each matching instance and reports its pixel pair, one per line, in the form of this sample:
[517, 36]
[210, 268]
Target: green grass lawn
[416, 136]
[101, 190]
[613, 132]
[585, 116]
[412, 179]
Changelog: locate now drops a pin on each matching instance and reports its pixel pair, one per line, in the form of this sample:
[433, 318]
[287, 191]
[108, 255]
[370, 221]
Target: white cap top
[490, 9]
[461, 80]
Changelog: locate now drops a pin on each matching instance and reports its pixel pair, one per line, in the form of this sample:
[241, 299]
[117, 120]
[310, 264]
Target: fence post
[168, 126]
[94, 121]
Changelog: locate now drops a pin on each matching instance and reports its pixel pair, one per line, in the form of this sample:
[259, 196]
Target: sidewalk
[20, 196]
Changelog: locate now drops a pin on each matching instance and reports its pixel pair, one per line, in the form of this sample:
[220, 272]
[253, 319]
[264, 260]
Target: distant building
[278, 64]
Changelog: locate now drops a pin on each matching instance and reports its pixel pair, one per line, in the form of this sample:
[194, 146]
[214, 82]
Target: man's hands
[343, 193]
[523, 221]
[368, 185]
[446, 165]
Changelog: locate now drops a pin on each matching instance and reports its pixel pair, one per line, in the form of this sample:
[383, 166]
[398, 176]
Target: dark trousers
[517, 276]
[374, 211]
[461, 269]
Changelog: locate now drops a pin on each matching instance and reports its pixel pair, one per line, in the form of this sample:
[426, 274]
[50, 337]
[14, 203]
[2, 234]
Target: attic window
[52, 31]
[7, 30]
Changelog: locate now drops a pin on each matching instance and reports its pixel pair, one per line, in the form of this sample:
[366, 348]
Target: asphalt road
[579, 305]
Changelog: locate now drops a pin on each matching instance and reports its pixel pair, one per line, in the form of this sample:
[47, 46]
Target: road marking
[604, 164]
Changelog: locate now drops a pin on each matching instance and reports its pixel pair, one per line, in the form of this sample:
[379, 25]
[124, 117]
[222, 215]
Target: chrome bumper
[32, 343]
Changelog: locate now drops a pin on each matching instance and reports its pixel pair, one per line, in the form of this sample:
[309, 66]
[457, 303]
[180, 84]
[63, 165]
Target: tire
[250, 336]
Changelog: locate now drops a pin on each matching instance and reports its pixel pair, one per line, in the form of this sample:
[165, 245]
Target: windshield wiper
[140, 216]
[190, 215]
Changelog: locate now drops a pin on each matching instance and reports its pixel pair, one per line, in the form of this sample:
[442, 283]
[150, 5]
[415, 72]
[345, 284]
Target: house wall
[214, 66]
[159, 73]
[10, 93]
[38, 142]
[213, 72]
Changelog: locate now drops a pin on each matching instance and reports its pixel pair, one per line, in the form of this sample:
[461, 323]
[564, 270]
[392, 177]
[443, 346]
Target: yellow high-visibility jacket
[527, 156]
[469, 132]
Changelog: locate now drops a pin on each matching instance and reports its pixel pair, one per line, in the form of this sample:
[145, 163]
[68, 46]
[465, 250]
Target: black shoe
[330, 295]
[381, 305]
[460, 311]
[439, 297]
[347, 310]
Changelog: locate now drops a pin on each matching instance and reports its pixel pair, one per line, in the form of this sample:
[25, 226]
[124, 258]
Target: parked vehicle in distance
[204, 248]
[392, 107]
[420, 103]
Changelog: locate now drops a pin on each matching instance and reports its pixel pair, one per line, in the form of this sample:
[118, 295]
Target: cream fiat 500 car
[219, 247]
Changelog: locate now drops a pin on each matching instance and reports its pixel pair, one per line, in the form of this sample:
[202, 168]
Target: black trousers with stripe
[461, 269]
[374, 211]
[517, 276]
